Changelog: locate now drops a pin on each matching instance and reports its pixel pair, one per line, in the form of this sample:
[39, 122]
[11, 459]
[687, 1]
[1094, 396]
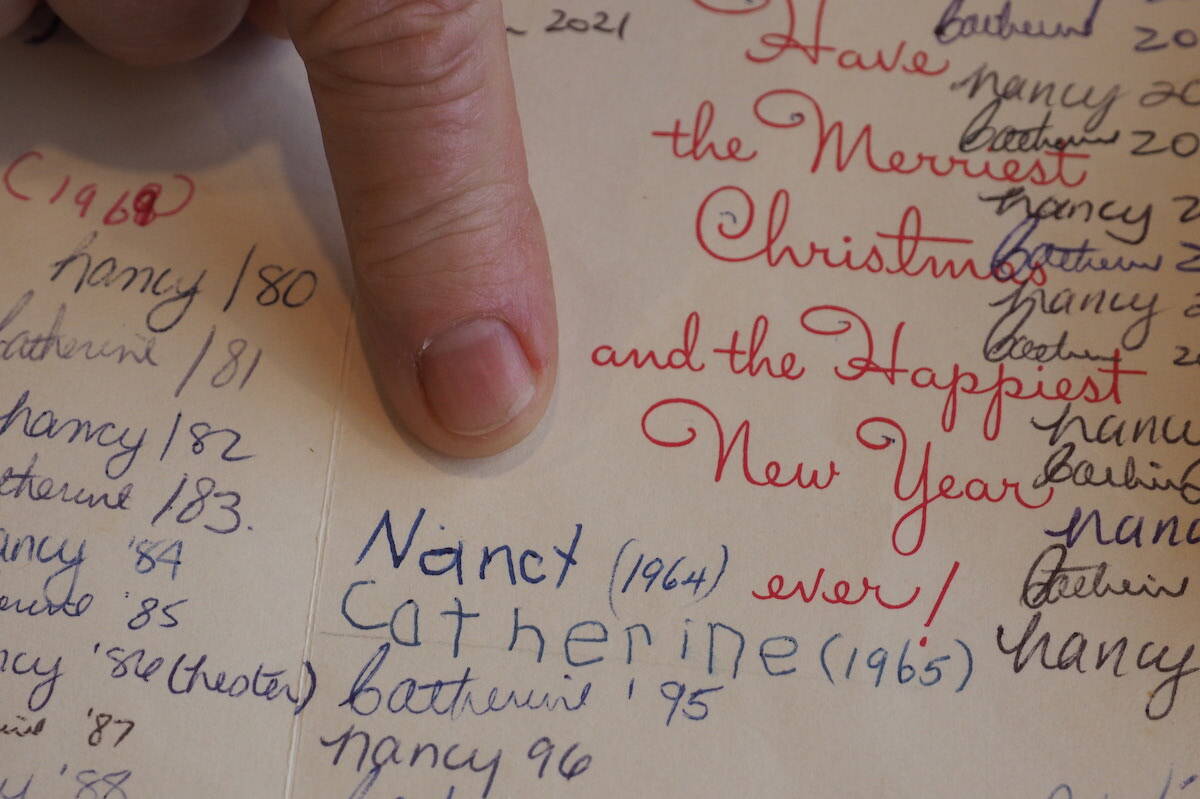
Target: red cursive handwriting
[772, 473]
[976, 489]
[898, 253]
[694, 143]
[1105, 386]
[791, 108]
[750, 361]
[779, 43]
[678, 358]
[840, 596]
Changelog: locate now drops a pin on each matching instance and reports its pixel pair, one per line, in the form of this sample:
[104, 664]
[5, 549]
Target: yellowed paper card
[870, 470]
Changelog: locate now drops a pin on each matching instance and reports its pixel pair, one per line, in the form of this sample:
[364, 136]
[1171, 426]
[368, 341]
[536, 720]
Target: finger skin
[13, 13]
[152, 32]
[267, 16]
[419, 119]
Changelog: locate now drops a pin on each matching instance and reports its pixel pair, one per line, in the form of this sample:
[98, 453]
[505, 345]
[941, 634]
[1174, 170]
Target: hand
[417, 111]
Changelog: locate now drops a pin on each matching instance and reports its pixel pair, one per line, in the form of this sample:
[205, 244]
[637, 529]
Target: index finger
[419, 118]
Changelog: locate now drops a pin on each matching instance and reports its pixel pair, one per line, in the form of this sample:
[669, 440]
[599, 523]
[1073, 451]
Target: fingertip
[267, 16]
[152, 32]
[471, 390]
[466, 360]
[419, 119]
[475, 376]
[13, 13]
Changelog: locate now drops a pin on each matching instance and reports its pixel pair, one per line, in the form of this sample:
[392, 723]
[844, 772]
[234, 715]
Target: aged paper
[870, 469]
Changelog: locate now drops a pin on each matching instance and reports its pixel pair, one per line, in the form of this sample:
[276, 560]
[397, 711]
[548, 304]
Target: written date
[881, 666]
[25, 178]
[601, 22]
[97, 736]
[637, 572]
[92, 784]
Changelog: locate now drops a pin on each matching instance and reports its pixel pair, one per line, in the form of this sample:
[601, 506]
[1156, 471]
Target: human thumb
[419, 119]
